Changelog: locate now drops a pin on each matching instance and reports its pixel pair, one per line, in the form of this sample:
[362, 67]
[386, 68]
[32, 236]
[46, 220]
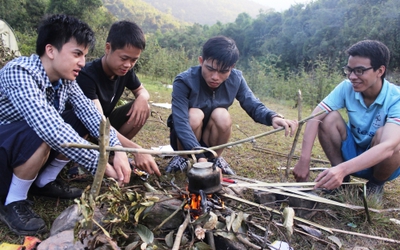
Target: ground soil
[261, 159]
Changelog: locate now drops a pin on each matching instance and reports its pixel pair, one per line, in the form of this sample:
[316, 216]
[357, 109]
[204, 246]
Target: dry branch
[179, 234]
[299, 106]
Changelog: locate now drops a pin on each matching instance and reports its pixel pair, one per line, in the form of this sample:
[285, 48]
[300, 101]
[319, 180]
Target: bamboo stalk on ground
[270, 151]
[327, 229]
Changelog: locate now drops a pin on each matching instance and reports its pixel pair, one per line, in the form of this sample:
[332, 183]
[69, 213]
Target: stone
[223, 243]
[162, 210]
[61, 241]
[263, 197]
[69, 217]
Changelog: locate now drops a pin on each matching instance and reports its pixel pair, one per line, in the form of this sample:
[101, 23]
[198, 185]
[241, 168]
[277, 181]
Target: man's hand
[146, 162]
[301, 171]
[120, 170]
[139, 112]
[289, 125]
[330, 178]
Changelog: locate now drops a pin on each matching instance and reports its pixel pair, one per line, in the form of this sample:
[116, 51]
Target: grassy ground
[260, 160]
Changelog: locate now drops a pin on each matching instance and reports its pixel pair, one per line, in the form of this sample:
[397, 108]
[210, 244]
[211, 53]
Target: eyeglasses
[359, 71]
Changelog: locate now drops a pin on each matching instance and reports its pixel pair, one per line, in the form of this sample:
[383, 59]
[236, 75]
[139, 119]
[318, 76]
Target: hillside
[149, 18]
[192, 11]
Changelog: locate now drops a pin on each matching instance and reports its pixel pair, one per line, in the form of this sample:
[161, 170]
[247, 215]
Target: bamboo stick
[270, 151]
[276, 211]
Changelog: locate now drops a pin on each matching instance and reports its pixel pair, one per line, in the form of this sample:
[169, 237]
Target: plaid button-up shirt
[26, 93]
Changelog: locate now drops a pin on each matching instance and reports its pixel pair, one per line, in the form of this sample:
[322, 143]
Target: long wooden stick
[296, 138]
[161, 152]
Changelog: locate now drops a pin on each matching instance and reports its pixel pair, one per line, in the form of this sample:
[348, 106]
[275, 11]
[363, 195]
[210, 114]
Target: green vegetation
[207, 11]
[303, 45]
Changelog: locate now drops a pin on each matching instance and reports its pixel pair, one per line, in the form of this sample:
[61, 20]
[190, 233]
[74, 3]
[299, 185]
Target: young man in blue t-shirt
[368, 145]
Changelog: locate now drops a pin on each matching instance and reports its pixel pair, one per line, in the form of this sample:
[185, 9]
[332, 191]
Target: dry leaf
[288, 216]
[212, 222]
[336, 240]
[312, 231]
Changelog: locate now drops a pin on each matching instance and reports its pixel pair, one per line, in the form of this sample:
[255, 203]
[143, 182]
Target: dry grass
[259, 165]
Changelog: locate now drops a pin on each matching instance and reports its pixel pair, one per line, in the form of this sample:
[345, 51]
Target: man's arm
[301, 170]
[387, 147]
[140, 109]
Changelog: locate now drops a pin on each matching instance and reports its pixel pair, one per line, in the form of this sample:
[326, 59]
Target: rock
[61, 241]
[263, 197]
[68, 219]
[162, 210]
[222, 243]
[297, 204]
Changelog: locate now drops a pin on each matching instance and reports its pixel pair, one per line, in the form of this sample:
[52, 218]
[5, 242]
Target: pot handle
[206, 149]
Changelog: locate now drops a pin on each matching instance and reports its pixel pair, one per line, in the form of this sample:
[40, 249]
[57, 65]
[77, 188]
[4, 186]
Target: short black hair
[58, 29]
[376, 51]
[222, 49]
[123, 33]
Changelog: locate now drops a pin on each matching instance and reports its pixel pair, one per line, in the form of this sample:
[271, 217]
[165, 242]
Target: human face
[67, 62]
[370, 81]
[212, 73]
[120, 61]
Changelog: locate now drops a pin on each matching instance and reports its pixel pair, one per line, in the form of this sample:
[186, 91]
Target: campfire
[203, 203]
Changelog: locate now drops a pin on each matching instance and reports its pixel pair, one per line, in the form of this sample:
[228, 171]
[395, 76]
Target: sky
[280, 5]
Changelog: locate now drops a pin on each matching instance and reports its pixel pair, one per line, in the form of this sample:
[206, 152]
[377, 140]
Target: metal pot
[204, 176]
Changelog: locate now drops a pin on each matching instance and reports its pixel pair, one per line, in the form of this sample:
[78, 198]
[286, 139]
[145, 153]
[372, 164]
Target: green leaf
[145, 234]
[137, 214]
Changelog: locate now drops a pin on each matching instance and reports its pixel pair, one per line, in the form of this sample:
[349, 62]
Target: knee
[331, 120]
[196, 117]
[221, 118]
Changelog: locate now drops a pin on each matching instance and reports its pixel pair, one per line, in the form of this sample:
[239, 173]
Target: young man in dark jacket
[200, 100]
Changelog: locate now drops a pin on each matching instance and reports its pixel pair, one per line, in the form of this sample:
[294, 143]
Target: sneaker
[374, 189]
[21, 219]
[177, 163]
[223, 165]
[56, 189]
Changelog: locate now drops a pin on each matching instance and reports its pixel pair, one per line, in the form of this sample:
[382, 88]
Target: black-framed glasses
[358, 71]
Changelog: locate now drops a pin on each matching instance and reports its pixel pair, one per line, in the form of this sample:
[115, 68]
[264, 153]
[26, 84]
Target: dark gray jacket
[191, 91]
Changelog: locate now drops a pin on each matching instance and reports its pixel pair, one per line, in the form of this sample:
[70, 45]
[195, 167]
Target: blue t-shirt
[364, 121]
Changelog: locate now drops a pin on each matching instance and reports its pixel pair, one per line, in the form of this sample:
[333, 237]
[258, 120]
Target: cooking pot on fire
[204, 176]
